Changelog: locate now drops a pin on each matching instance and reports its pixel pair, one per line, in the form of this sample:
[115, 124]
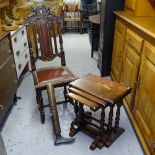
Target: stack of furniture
[8, 78]
[133, 63]
[97, 93]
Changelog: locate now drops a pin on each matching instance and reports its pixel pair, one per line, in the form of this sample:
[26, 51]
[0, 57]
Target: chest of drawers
[20, 49]
[8, 76]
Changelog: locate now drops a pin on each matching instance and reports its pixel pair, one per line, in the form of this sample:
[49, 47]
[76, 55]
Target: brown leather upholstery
[54, 75]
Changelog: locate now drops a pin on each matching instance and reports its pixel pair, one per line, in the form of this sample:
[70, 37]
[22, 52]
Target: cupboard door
[119, 39]
[130, 70]
[144, 110]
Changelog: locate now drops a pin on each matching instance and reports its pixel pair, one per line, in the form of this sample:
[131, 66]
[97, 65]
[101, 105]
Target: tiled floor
[23, 133]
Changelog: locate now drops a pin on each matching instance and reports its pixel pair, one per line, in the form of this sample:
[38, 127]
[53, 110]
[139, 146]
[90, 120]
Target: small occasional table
[97, 93]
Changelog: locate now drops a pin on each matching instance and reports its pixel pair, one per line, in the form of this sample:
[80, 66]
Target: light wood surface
[140, 7]
[144, 109]
[118, 47]
[144, 24]
[139, 73]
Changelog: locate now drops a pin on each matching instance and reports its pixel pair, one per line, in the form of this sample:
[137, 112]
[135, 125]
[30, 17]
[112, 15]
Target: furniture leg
[113, 132]
[55, 118]
[40, 104]
[109, 129]
[118, 114]
[77, 123]
[99, 142]
[65, 92]
[92, 43]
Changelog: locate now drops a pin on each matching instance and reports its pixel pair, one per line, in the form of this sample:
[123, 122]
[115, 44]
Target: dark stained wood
[97, 93]
[44, 29]
[8, 77]
[93, 105]
[104, 89]
[94, 32]
[95, 19]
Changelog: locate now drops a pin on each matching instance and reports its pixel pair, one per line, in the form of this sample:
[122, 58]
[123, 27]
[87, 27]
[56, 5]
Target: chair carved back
[44, 36]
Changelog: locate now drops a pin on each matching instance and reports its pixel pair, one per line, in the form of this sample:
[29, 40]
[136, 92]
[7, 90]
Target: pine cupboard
[133, 63]
[144, 109]
[118, 47]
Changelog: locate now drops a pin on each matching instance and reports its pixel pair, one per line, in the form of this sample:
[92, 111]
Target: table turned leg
[98, 142]
[113, 132]
[117, 119]
[77, 123]
[109, 128]
[40, 104]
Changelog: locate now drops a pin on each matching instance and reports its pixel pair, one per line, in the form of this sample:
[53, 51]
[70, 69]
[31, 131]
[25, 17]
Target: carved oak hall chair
[72, 16]
[43, 28]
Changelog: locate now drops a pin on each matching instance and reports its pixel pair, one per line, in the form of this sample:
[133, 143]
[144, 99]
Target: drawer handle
[130, 40]
[14, 81]
[26, 56]
[9, 52]
[12, 66]
[25, 44]
[22, 32]
[20, 66]
[1, 107]
[138, 82]
[15, 39]
[7, 41]
[18, 53]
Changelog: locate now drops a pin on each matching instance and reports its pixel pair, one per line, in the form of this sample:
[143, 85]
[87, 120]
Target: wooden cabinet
[118, 48]
[144, 110]
[131, 61]
[8, 78]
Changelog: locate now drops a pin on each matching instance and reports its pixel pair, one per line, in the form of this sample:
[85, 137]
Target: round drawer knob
[9, 52]
[22, 32]
[12, 66]
[25, 44]
[20, 66]
[14, 81]
[1, 108]
[15, 39]
[26, 56]
[7, 41]
[18, 53]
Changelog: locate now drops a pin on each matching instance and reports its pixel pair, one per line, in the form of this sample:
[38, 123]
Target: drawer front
[6, 98]
[5, 50]
[8, 73]
[23, 60]
[134, 40]
[20, 49]
[18, 36]
[8, 86]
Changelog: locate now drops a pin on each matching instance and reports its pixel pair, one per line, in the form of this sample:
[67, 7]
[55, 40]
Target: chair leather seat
[54, 75]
